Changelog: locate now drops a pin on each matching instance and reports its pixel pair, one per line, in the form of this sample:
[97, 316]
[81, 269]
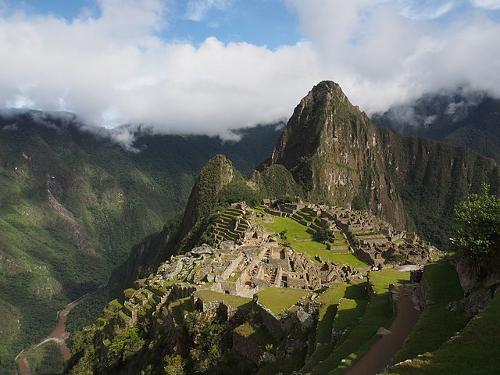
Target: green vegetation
[45, 359]
[473, 351]
[276, 181]
[111, 197]
[437, 323]
[278, 300]
[378, 313]
[477, 235]
[259, 335]
[300, 240]
[327, 311]
[233, 301]
[341, 307]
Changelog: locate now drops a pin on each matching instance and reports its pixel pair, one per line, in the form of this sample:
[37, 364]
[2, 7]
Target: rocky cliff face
[339, 156]
[335, 152]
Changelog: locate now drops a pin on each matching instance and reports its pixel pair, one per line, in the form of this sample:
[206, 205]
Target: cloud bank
[114, 68]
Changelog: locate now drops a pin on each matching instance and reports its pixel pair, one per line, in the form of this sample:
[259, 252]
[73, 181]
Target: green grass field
[342, 305]
[233, 301]
[278, 300]
[436, 324]
[329, 301]
[302, 241]
[378, 313]
[474, 351]
[259, 335]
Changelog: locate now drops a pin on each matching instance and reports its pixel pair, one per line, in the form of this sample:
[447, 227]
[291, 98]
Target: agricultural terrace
[279, 300]
[231, 300]
[296, 236]
[361, 322]
[437, 323]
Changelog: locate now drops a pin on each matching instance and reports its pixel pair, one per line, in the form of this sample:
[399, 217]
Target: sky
[208, 66]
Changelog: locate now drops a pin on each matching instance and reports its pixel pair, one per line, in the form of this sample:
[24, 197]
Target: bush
[477, 232]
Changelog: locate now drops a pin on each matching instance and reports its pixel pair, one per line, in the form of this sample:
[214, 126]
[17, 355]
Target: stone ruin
[371, 239]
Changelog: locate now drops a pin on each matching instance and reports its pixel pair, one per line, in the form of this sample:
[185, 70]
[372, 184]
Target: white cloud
[113, 68]
[426, 10]
[197, 9]
[487, 4]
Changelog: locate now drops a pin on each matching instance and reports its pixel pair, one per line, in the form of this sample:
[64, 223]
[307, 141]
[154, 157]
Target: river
[59, 335]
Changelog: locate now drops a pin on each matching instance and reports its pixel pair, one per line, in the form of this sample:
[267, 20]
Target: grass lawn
[259, 335]
[280, 299]
[436, 324]
[302, 241]
[233, 301]
[378, 313]
[476, 350]
[380, 280]
[329, 301]
[341, 314]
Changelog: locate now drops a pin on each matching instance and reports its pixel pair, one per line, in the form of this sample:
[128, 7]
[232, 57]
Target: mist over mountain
[463, 117]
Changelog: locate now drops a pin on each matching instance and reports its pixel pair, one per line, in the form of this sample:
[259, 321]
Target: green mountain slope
[72, 204]
[460, 117]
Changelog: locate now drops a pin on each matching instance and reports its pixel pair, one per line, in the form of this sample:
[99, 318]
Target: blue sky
[261, 22]
[207, 66]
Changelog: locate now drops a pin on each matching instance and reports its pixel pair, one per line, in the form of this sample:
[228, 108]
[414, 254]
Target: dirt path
[381, 353]
[59, 335]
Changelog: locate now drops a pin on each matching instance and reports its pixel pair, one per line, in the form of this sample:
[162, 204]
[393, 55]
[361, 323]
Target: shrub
[477, 232]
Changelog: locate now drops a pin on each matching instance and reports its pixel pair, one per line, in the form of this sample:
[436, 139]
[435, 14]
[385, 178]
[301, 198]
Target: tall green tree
[477, 232]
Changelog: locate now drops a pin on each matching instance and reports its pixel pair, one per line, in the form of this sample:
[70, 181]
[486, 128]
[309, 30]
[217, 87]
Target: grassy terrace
[279, 300]
[233, 301]
[378, 313]
[436, 324]
[474, 351]
[302, 241]
[259, 335]
[178, 308]
[341, 307]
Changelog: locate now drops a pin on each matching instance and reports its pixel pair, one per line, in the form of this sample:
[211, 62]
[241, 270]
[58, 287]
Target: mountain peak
[328, 92]
[214, 176]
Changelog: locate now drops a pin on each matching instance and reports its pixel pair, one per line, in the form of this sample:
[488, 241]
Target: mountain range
[175, 316]
[73, 203]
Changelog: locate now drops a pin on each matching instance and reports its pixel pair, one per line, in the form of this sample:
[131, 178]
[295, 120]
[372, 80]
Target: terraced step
[378, 313]
[341, 306]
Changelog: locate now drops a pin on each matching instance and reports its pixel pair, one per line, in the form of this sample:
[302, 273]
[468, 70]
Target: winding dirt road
[59, 335]
[382, 352]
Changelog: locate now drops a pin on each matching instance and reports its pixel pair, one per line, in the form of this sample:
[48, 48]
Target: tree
[323, 233]
[477, 232]
[174, 365]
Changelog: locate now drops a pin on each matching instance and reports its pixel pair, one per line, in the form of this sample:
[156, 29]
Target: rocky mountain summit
[339, 156]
